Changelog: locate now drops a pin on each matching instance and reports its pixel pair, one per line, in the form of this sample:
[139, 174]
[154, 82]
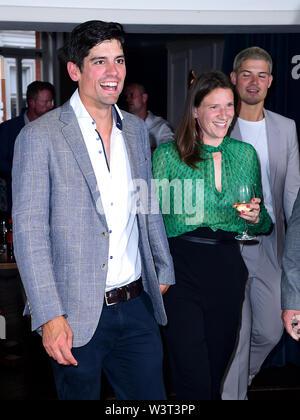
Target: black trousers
[203, 310]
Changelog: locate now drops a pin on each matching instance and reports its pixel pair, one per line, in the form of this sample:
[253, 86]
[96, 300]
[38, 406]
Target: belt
[207, 241]
[124, 293]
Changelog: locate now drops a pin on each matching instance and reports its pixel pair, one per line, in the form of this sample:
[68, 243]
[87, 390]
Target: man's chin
[252, 101]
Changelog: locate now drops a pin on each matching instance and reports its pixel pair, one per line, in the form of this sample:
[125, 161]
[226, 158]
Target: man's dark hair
[89, 34]
[35, 87]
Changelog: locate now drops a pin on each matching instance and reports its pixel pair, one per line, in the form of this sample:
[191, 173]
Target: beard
[252, 99]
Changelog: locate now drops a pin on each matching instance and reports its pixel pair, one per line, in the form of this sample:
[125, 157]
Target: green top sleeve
[188, 197]
[265, 221]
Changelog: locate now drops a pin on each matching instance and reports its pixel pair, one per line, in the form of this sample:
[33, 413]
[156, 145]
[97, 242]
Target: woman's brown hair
[188, 136]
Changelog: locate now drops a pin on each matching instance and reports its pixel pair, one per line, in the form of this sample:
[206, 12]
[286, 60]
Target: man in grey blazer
[93, 266]
[290, 282]
[275, 140]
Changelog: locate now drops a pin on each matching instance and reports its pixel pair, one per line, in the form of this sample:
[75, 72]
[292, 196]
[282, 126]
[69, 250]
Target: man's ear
[145, 97]
[73, 71]
[233, 77]
[270, 80]
[30, 102]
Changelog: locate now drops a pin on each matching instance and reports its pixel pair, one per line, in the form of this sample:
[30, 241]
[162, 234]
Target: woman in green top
[195, 178]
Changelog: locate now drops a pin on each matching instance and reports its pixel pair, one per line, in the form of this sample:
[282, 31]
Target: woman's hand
[252, 215]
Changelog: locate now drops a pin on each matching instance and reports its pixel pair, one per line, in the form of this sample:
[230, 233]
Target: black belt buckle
[108, 304]
[106, 301]
[128, 295]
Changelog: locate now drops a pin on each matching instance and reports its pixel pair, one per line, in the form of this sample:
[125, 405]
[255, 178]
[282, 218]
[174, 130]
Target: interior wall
[184, 56]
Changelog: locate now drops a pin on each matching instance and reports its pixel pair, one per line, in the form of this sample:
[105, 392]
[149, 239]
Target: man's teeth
[109, 84]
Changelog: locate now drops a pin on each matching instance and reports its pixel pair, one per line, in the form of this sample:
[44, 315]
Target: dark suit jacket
[9, 131]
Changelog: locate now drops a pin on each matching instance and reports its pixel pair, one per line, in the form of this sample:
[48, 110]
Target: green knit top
[188, 197]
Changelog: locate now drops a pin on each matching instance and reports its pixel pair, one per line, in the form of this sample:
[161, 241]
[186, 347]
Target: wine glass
[243, 194]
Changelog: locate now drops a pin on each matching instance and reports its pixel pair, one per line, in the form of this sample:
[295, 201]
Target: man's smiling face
[252, 81]
[101, 79]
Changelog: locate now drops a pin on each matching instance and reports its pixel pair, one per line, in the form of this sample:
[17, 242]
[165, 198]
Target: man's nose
[111, 68]
[254, 78]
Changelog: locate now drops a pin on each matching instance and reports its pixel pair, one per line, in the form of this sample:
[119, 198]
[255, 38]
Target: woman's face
[214, 115]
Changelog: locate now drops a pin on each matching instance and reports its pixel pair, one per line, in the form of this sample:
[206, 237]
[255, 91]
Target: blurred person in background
[160, 131]
[40, 99]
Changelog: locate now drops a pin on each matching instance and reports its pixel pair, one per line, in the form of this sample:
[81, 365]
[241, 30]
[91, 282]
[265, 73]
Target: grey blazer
[290, 284]
[60, 231]
[283, 152]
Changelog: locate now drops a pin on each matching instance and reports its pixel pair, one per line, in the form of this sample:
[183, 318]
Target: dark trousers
[203, 310]
[127, 346]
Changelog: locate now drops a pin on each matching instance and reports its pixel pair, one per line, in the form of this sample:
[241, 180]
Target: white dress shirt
[117, 196]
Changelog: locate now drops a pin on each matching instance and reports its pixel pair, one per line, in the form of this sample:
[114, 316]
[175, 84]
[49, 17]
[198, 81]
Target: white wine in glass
[243, 194]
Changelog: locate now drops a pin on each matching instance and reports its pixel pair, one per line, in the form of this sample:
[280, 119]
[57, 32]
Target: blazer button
[103, 266]
[30, 310]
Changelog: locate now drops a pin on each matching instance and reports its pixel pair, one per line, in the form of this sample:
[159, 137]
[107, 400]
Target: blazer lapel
[133, 148]
[72, 133]
[235, 132]
[274, 147]
[138, 166]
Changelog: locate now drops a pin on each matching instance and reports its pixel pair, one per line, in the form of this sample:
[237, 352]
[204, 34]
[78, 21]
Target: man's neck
[143, 114]
[250, 112]
[31, 115]
[104, 122]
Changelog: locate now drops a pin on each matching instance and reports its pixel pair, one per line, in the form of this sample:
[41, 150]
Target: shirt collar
[26, 119]
[81, 111]
[207, 149]
[118, 117]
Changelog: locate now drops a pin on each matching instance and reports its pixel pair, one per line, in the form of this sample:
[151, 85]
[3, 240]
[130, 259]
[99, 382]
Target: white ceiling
[158, 12]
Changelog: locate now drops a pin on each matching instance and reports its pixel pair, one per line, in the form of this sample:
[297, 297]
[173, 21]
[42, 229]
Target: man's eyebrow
[250, 71]
[97, 58]
[105, 57]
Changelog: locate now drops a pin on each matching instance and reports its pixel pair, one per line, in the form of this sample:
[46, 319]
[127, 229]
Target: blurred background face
[42, 103]
[214, 114]
[136, 100]
[252, 81]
